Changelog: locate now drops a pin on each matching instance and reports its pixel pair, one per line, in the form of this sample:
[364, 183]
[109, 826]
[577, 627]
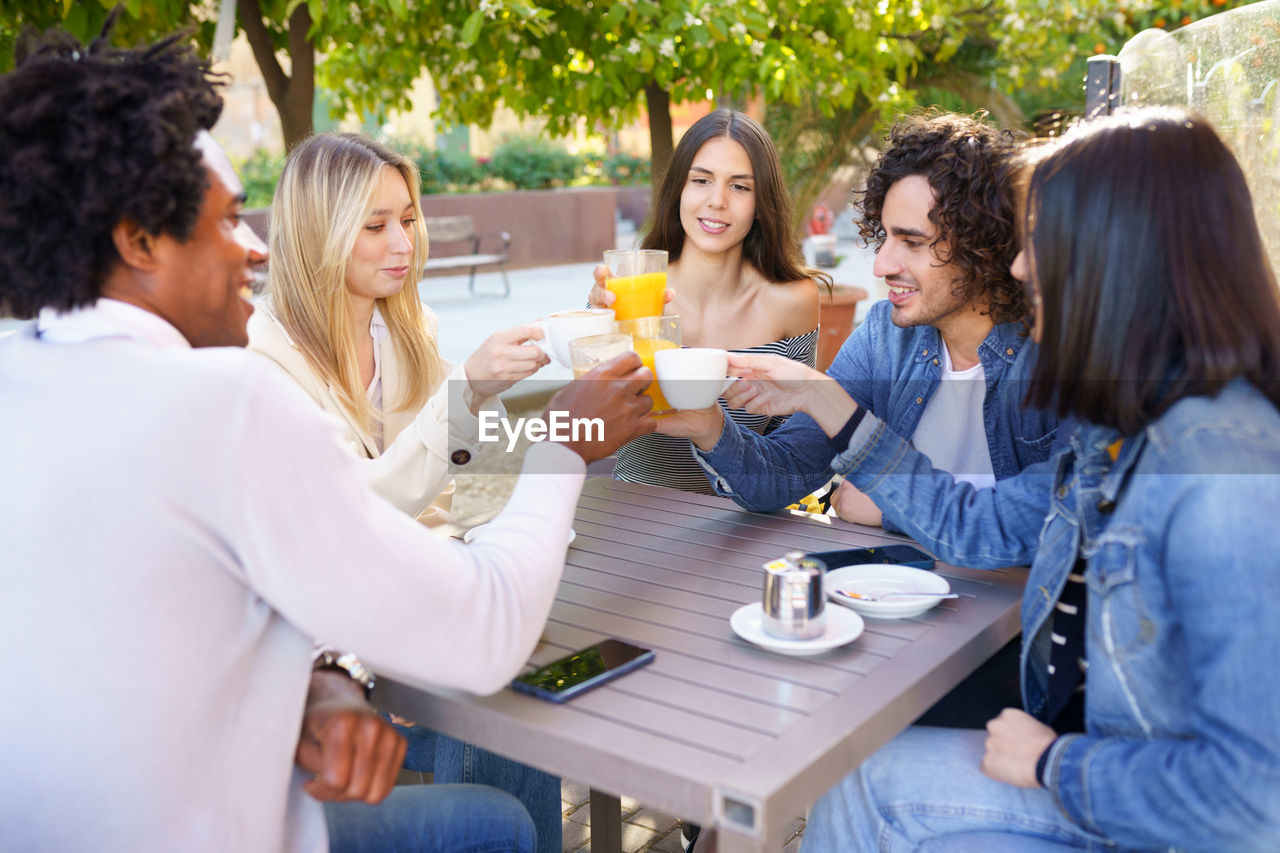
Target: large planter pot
[836, 320]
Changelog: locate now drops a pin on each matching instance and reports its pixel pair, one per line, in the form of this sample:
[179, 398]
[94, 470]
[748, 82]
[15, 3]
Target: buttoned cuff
[447, 421]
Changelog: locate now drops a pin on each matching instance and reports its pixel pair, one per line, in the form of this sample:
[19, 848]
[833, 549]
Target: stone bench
[451, 231]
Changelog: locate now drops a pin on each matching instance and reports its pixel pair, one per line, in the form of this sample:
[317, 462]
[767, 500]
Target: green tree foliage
[371, 63]
[831, 71]
[259, 175]
[840, 68]
[140, 22]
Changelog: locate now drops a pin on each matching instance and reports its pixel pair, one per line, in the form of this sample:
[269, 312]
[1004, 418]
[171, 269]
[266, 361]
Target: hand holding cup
[614, 392]
[693, 377]
[503, 360]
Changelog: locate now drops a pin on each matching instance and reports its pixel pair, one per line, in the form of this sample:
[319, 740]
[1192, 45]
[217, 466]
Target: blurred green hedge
[523, 162]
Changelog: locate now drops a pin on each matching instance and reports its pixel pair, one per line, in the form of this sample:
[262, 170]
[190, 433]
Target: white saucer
[471, 534]
[880, 578]
[843, 626]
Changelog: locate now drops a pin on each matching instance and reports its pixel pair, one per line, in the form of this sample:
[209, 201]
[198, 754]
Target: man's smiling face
[205, 293]
[922, 286]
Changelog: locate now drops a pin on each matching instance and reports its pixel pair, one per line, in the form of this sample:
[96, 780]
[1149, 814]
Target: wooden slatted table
[716, 730]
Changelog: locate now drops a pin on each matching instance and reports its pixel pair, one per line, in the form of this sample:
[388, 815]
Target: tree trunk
[292, 95]
[658, 103]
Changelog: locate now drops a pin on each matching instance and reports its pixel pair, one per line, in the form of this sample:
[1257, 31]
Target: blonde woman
[346, 238]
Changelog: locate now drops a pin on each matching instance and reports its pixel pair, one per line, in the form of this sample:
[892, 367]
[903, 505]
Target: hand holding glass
[638, 280]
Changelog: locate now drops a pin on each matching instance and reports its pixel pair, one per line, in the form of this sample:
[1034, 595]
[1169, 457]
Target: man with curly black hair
[944, 359]
[179, 521]
[938, 207]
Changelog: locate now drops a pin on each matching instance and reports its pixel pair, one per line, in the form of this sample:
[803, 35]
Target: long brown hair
[770, 246]
[1153, 278]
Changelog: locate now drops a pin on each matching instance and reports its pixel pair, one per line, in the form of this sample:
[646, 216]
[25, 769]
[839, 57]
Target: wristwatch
[348, 663]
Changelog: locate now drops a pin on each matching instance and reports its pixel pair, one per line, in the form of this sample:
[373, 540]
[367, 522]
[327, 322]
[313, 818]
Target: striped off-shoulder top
[664, 460]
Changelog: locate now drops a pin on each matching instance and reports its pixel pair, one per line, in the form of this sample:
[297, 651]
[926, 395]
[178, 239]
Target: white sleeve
[349, 569]
[415, 467]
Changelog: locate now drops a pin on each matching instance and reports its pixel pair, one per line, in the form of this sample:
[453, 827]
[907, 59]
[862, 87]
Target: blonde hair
[325, 193]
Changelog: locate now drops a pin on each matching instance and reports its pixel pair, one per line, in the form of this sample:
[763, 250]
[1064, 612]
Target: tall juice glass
[638, 278]
[651, 334]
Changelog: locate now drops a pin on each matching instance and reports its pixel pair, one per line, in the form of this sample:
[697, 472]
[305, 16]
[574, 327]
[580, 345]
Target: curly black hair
[90, 136]
[971, 166]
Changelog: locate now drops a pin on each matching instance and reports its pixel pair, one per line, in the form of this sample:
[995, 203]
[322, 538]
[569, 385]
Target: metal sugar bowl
[794, 600]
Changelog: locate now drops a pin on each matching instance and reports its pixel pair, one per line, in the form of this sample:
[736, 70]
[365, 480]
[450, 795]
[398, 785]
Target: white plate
[843, 626]
[471, 534]
[878, 579]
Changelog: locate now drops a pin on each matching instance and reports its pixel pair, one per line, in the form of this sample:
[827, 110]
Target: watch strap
[346, 662]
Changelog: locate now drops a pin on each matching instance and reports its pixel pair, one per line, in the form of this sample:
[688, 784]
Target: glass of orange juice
[638, 278]
[651, 334]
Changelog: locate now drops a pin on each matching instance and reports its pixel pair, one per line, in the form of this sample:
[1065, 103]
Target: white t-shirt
[952, 431]
[178, 525]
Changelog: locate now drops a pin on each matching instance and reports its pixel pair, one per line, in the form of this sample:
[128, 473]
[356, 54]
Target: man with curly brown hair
[944, 359]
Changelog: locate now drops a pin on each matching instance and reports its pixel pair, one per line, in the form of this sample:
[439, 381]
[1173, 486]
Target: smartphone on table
[897, 555]
[582, 670]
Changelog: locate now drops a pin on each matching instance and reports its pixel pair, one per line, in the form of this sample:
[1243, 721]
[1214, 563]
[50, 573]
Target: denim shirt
[1181, 542]
[893, 373]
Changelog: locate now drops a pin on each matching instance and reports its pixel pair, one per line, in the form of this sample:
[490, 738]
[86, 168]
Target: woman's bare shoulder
[796, 304]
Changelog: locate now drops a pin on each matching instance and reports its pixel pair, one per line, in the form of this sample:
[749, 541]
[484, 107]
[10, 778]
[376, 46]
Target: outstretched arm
[768, 472]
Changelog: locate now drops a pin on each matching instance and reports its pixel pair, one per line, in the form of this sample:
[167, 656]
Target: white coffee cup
[561, 327]
[692, 378]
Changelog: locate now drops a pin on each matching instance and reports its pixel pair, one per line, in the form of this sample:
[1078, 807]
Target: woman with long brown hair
[738, 278]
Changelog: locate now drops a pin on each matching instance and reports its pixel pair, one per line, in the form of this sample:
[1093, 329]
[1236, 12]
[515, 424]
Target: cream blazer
[420, 451]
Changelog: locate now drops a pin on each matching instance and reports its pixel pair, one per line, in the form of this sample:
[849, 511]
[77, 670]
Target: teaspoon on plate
[860, 596]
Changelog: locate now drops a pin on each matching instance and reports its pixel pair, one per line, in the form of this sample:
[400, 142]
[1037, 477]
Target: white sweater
[175, 526]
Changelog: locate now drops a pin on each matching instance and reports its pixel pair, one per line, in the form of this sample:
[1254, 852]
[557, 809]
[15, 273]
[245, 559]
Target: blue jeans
[453, 762]
[432, 819]
[924, 791]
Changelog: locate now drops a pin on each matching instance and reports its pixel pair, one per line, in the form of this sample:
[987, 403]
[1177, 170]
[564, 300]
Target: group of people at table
[1077, 369]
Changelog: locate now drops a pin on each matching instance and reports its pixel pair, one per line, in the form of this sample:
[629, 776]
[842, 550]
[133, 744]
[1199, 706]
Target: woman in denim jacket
[1159, 330]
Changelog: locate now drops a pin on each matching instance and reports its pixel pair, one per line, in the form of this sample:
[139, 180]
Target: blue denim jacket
[1181, 542]
[893, 373]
